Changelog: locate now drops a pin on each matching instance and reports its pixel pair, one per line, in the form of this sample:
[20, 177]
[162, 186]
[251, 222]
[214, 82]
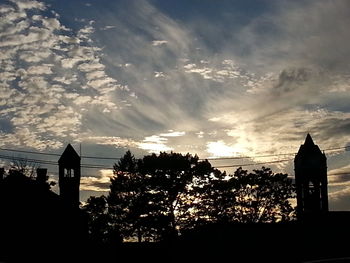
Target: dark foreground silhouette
[246, 218]
[36, 226]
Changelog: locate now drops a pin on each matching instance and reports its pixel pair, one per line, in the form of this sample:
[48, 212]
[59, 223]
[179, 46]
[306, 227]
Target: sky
[218, 78]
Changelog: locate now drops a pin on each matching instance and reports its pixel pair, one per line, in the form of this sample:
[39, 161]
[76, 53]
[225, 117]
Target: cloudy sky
[218, 78]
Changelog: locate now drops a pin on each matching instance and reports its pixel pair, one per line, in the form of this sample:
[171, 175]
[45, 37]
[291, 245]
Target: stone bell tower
[310, 166]
[69, 176]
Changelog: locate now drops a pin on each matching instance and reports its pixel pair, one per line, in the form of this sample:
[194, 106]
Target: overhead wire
[97, 166]
[209, 158]
[48, 162]
[342, 173]
[252, 164]
[92, 166]
[56, 154]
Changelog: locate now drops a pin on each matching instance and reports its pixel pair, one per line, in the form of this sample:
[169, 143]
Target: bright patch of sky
[215, 79]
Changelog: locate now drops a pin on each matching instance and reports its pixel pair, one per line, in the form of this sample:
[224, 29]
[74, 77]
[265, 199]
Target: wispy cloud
[140, 78]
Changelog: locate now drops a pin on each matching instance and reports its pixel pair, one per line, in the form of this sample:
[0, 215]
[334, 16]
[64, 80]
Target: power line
[96, 166]
[48, 162]
[7, 157]
[251, 164]
[32, 152]
[245, 157]
[211, 159]
[337, 148]
[84, 175]
[93, 166]
[102, 166]
[56, 154]
[267, 155]
[342, 173]
[331, 174]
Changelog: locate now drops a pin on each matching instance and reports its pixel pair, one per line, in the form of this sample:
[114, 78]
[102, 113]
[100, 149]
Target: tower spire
[69, 176]
[308, 140]
[310, 166]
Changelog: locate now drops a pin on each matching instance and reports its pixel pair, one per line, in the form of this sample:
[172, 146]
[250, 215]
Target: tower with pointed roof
[69, 176]
[310, 166]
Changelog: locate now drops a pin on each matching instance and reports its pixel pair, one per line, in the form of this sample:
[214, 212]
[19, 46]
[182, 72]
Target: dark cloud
[340, 199]
[334, 127]
[338, 178]
[291, 79]
[340, 204]
[308, 33]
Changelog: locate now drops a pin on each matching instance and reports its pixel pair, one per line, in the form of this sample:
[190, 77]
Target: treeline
[160, 196]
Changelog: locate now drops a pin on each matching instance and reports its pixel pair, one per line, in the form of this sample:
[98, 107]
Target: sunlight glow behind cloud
[221, 149]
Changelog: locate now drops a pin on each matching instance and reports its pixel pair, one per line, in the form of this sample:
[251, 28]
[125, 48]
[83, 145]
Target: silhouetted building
[69, 176]
[35, 221]
[310, 166]
[41, 175]
[2, 173]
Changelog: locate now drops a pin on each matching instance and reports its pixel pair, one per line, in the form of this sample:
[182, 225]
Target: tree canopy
[159, 196]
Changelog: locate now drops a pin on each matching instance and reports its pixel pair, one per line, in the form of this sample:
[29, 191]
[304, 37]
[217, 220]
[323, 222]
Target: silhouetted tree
[168, 177]
[159, 195]
[100, 226]
[126, 199]
[262, 196]
[150, 199]
[259, 196]
[24, 166]
[212, 195]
